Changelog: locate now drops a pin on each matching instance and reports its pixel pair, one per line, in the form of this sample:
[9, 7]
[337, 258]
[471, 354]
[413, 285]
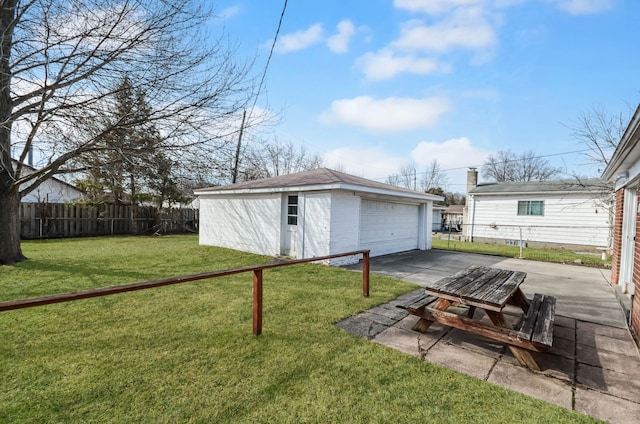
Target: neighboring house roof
[627, 153]
[455, 209]
[317, 179]
[589, 185]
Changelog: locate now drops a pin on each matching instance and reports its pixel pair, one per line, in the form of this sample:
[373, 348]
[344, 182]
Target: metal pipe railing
[257, 285]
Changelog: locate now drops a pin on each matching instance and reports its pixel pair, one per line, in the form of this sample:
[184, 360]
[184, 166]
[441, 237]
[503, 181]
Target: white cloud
[393, 114]
[230, 11]
[451, 154]
[454, 157]
[583, 7]
[433, 7]
[386, 64]
[300, 40]
[421, 47]
[369, 162]
[339, 43]
[466, 29]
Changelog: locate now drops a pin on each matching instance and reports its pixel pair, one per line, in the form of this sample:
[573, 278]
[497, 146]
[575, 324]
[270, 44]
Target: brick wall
[617, 237]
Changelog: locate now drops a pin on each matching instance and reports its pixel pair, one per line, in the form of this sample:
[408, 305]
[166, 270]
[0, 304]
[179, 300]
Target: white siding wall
[314, 223]
[436, 223]
[250, 223]
[345, 226]
[568, 219]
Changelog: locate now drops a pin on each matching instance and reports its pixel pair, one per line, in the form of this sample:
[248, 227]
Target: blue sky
[374, 84]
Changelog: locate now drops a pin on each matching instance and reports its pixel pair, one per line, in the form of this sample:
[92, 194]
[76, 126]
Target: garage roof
[591, 185]
[317, 179]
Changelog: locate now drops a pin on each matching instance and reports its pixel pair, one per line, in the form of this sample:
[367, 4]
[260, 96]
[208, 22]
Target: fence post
[257, 302]
[521, 257]
[365, 274]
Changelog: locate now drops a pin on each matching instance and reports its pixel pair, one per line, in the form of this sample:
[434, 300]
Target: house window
[531, 207]
[292, 210]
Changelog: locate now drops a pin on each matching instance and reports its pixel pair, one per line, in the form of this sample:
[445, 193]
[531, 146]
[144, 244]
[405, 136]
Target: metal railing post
[257, 302]
[257, 286]
[365, 273]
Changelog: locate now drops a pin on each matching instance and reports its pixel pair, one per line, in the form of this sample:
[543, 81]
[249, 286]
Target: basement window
[531, 207]
[292, 210]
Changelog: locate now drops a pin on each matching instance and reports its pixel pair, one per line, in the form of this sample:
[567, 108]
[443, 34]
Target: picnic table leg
[472, 310]
[523, 356]
[520, 299]
[423, 324]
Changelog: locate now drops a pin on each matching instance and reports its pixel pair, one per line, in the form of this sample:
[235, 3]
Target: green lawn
[186, 353]
[547, 255]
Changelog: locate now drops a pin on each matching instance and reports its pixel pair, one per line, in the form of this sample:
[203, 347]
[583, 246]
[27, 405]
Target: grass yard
[186, 353]
[547, 255]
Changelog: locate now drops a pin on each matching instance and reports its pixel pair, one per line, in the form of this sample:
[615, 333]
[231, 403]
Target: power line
[273, 46]
[513, 160]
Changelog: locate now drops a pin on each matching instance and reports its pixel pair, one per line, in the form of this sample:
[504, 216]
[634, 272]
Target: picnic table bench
[490, 289]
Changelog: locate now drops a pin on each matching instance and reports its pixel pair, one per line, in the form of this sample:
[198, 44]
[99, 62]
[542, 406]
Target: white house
[438, 212]
[567, 214]
[623, 171]
[52, 190]
[315, 213]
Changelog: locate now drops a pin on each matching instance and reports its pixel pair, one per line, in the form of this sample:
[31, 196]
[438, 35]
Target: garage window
[531, 207]
[292, 210]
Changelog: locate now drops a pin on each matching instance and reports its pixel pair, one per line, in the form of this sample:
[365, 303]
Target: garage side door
[388, 227]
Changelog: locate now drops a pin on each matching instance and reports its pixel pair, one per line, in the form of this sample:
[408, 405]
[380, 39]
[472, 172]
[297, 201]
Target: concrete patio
[593, 367]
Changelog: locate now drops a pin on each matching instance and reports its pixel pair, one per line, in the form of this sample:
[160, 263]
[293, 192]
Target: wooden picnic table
[490, 289]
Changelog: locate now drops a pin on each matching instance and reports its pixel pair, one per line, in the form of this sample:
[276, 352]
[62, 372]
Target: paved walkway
[593, 366]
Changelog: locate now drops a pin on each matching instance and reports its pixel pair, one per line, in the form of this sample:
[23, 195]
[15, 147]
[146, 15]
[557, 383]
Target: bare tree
[406, 177]
[278, 158]
[59, 64]
[508, 166]
[433, 177]
[600, 132]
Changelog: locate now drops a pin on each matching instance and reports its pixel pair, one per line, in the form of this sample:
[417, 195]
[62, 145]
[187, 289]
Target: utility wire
[255, 99]
[273, 46]
[512, 160]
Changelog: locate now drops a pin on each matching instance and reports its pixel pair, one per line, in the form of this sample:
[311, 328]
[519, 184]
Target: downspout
[304, 222]
[630, 320]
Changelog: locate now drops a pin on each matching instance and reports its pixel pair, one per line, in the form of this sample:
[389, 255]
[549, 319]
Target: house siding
[250, 223]
[617, 237]
[567, 220]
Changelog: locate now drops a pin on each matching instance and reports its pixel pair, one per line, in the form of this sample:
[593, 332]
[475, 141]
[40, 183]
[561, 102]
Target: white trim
[321, 187]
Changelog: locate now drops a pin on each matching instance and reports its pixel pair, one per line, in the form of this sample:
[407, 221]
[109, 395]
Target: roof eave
[320, 187]
[625, 147]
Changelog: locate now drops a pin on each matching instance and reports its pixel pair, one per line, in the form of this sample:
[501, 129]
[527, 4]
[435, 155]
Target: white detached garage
[315, 213]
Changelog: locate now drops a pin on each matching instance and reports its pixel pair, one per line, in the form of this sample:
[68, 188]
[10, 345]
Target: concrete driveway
[593, 366]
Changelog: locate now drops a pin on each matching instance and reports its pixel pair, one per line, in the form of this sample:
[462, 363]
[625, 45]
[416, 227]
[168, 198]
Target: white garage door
[388, 227]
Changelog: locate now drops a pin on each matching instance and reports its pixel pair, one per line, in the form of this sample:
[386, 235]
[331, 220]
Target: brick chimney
[472, 179]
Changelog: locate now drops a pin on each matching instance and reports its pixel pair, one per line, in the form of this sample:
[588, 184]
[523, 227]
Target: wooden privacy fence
[50, 220]
[257, 286]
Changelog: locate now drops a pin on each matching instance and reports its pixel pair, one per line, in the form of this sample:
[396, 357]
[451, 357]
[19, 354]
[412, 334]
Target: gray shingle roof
[320, 176]
[591, 185]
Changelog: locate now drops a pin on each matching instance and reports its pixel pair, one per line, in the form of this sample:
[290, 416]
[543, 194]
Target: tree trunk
[10, 251]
